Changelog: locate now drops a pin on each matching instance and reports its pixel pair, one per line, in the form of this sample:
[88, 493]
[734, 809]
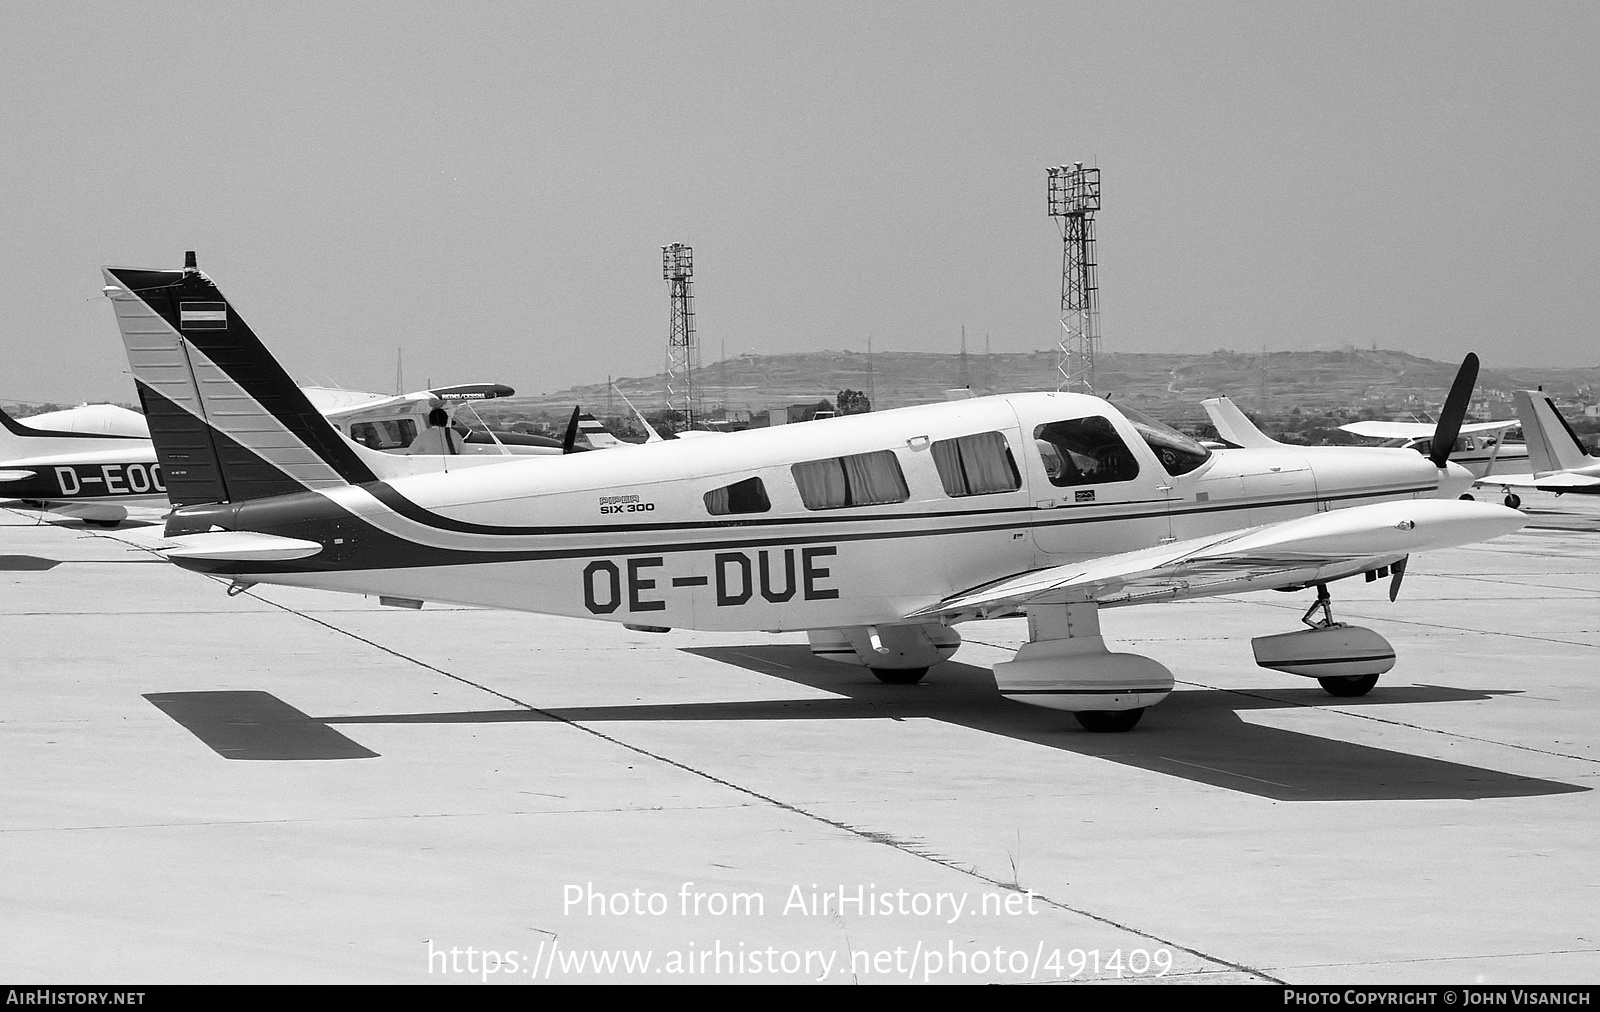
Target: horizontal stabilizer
[238, 546]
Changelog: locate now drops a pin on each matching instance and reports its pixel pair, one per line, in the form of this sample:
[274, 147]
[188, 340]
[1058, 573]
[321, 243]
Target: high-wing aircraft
[1479, 447]
[436, 421]
[876, 534]
[1558, 459]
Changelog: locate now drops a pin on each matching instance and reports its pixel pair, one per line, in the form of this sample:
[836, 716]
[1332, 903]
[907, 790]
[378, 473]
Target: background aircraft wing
[327, 399]
[1293, 553]
[1417, 430]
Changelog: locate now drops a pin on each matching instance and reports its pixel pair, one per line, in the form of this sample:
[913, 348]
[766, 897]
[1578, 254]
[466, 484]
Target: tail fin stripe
[218, 390]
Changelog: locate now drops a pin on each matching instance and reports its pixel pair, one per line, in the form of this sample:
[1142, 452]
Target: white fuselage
[628, 535]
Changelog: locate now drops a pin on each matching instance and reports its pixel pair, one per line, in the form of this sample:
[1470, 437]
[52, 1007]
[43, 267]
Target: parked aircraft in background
[92, 420]
[89, 462]
[438, 421]
[96, 463]
[1557, 459]
[875, 533]
[1479, 448]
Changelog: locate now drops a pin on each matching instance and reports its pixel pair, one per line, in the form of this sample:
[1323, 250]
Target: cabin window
[976, 465]
[861, 479]
[388, 434]
[1084, 451]
[748, 496]
[1178, 453]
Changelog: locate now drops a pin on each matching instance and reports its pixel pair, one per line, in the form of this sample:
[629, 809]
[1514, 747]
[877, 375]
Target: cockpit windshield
[1178, 453]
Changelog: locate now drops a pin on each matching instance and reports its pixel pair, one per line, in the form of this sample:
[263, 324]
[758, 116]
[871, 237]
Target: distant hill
[1351, 383]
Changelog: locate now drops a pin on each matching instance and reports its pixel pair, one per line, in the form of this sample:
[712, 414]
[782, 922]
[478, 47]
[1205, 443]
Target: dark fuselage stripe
[1009, 516]
[383, 549]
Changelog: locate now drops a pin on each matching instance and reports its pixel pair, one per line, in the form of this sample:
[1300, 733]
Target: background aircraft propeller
[1455, 410]
[569, 443]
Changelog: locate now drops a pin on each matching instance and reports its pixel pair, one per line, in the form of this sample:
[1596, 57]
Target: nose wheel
[1354, 685]
[1109, 720]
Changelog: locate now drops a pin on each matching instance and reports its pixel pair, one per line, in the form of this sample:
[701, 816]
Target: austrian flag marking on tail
[203, 315]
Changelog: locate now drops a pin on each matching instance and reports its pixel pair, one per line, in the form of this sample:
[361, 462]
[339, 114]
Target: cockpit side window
[1084, 451]
[1178, 453]
[386, 434]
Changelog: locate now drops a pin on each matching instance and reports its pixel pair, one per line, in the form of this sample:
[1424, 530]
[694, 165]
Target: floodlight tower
[1074, 197]
[683, 351]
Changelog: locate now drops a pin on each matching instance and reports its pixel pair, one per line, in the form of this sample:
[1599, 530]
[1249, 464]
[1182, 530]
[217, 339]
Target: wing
[1417, 430]
[1293, 553]
[329, 400]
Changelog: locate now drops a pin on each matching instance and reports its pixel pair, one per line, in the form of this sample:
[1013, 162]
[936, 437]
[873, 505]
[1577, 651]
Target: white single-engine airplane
[1479, 446]
[873, 533]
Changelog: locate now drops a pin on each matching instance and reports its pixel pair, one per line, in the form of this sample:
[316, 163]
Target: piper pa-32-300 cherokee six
[873, 533]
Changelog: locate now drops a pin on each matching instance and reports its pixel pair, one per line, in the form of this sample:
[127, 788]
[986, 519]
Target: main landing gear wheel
[899, 676]
[1350, 685]
[1109, 720]
[1513, 501]
[1467, 496]
[101, 523]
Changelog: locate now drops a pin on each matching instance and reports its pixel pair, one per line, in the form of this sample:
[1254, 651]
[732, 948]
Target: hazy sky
[489, 185]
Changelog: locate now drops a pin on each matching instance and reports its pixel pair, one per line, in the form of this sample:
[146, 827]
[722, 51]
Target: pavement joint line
[1462, 630]
[1325, 708]
[378, 818]
[1438, 959]
[884, 839]
[1541, 586]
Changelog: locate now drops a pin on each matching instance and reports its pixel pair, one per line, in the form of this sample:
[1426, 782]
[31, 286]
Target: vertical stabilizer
[1233, 426]
[1552, 445]
[597, 434]
[228, 423]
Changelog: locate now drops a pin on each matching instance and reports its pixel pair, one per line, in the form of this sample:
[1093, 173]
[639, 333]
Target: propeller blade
[1398, 571]
[571, 440]
[1455, 409]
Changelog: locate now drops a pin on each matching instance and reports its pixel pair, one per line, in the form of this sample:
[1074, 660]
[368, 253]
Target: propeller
[1455, 409]
[1399, 571]
[570, 443]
